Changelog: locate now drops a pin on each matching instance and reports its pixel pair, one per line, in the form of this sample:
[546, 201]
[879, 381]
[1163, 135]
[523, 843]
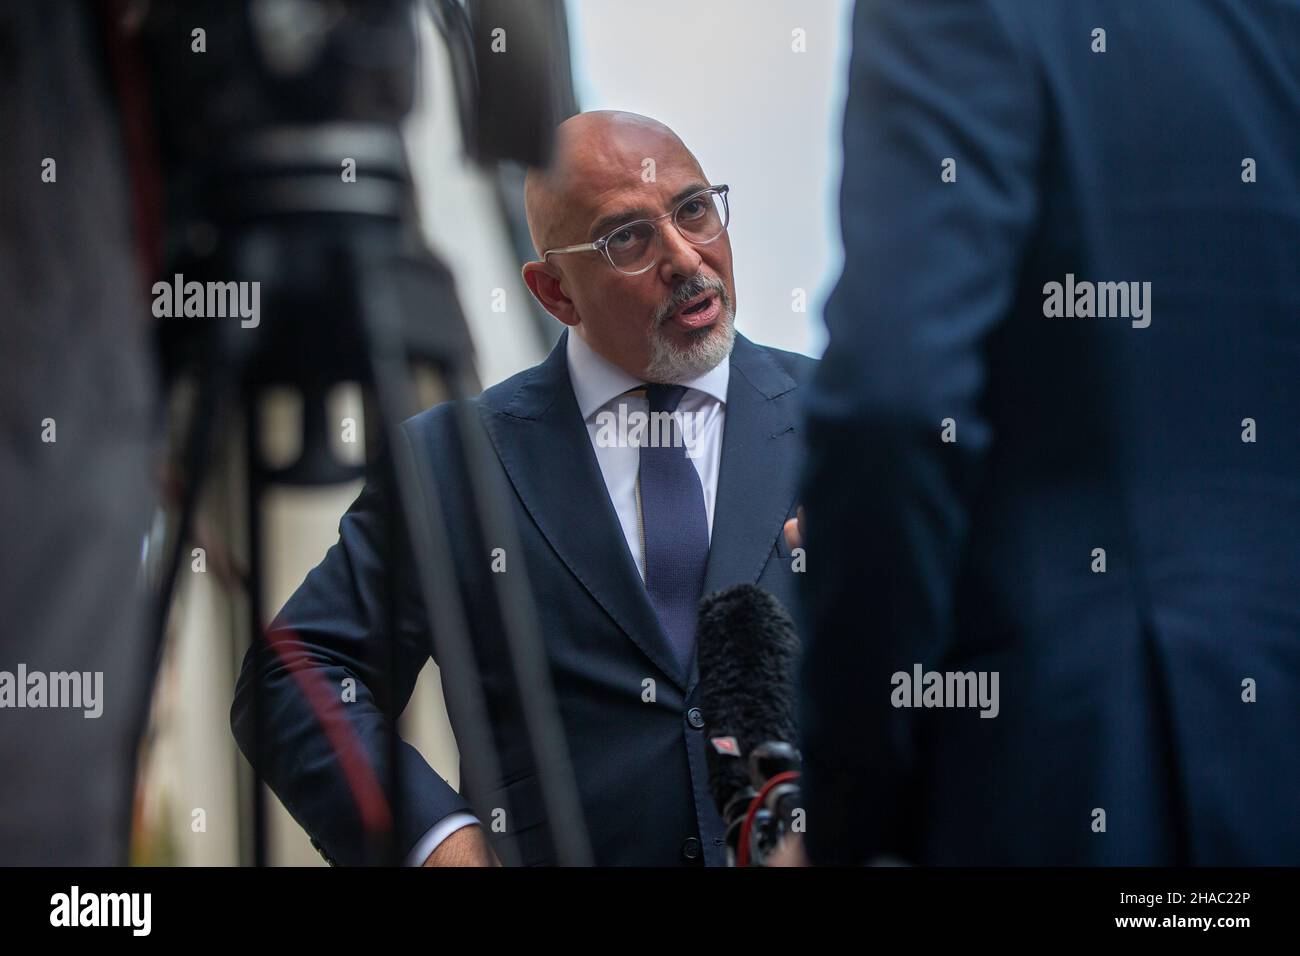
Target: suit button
[691, 849]
[695, 717]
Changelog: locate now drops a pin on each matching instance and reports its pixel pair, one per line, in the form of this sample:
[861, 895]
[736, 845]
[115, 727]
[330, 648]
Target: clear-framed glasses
[634, 247]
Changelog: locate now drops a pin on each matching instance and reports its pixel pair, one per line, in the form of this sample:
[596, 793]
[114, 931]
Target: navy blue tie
[676, 529]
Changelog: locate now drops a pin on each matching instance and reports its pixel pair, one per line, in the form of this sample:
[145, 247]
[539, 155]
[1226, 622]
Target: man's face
[670, 323]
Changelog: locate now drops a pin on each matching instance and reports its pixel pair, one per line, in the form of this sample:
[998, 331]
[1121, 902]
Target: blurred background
[756, 89]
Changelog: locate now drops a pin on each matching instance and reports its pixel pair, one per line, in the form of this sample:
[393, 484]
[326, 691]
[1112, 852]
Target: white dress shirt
[600, 386]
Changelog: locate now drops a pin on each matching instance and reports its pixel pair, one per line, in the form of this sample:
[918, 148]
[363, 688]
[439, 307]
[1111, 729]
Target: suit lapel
[757, 471]
[544, 446]
[546, 452]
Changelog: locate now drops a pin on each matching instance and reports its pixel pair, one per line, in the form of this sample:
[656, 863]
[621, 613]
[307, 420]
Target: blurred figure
[1088, 493]
[77, 393]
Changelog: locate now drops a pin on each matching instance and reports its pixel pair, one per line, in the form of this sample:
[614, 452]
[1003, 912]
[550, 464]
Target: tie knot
[664, 398]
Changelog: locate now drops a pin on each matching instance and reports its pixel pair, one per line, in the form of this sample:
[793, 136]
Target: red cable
[742, 851]
[342, 736]
[136, 111]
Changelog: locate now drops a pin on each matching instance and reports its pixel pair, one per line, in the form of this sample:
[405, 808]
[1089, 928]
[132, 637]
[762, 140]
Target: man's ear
[544, 284]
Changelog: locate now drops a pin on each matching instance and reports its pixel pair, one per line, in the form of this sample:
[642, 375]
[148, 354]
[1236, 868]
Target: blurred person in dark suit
[1093, 493]
[78, 393]
[620, 541]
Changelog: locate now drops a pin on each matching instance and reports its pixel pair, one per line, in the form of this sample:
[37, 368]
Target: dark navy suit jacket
[1120, 691]
[639, 765]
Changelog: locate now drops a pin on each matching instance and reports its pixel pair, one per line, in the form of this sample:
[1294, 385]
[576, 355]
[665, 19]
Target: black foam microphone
[747, 652]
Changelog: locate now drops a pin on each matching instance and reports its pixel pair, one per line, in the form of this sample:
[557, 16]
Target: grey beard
[671, 365]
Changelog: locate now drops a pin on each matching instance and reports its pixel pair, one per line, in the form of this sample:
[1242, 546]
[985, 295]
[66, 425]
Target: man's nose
[678, 257]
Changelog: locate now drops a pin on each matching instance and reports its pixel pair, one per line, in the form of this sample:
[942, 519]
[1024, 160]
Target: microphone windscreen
[747, 653]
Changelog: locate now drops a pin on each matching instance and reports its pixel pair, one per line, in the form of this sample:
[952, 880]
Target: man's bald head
[595, 154]
[668, 322]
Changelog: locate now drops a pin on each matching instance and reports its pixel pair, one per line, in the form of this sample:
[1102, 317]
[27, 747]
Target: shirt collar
[596, 380]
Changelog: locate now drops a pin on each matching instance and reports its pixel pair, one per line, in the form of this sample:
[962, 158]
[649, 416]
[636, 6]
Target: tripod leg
[382, 313]
[198, 440]
[527, 651]
[257, 633]
[419, 504]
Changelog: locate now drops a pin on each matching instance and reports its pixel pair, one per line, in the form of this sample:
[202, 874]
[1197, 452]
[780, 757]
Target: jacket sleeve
[332, 773]
[929, 272]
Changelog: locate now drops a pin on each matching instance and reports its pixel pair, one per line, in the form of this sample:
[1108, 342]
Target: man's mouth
[699, 312]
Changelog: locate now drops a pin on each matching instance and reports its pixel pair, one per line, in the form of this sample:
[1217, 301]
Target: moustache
[688, 290]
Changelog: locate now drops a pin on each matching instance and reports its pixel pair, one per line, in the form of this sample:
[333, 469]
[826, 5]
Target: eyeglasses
[634, 247]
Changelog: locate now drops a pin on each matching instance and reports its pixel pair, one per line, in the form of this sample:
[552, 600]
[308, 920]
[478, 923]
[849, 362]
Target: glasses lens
[702, 218]
[632, 247]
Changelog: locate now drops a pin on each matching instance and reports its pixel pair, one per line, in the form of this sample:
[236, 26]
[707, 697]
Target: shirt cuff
[437, 833]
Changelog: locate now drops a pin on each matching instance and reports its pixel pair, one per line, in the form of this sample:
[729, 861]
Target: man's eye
[693, 209]
[629, 236]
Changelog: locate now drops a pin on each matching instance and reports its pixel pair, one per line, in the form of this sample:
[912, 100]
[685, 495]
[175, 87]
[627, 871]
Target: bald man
[652, 458]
